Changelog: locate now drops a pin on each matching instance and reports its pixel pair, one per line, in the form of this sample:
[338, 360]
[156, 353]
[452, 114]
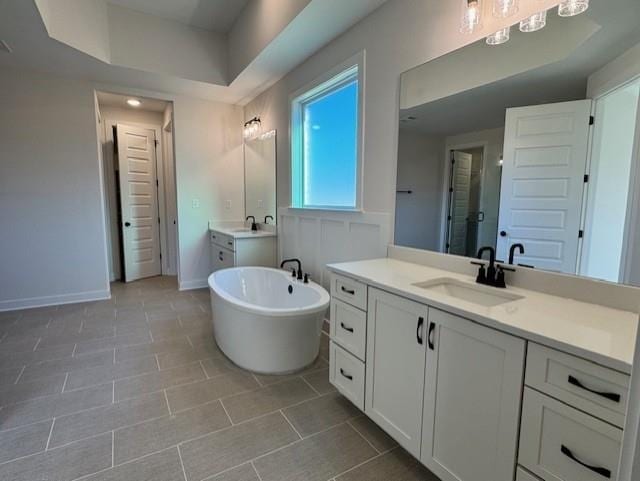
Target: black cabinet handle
[608, 395]
[601, 471]
[344, 374]
[348, 291]
[230, 243]
[432, 328]
[127, 224]
[419, 330]
[348, 329]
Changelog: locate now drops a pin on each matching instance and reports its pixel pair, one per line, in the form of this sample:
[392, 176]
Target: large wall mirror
[260, 177]
[532, 142]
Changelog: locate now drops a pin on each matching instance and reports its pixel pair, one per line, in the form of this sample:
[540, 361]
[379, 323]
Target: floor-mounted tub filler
[264, 320]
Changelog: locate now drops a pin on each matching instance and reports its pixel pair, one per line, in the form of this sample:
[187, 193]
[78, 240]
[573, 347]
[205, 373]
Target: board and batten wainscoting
[319, 238]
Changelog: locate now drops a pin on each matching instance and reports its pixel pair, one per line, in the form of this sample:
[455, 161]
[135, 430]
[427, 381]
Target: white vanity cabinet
[226, 250]
[473, 385]
[396, 349]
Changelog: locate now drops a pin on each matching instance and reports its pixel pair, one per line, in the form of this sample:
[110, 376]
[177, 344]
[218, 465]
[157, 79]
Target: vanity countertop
[240, 231]
[601, 334]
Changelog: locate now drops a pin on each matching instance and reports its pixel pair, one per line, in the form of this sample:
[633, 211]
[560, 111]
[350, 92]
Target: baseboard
[195, 284]
[44, 301]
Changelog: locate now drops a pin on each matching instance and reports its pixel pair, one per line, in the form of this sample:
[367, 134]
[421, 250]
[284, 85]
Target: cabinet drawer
[589, 387]
[346, 373]
[350, 291]
[222, 240]
[559, 443]
[522, 475]
[221, 258]
[349, 327]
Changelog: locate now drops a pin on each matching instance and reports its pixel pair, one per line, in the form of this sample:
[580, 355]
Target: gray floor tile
[132, 352]
[112, 343]
[110, 372]
[241, 473]
[63, 464]
[324, 347]
[188, 355]
[268, 399]
[24, 440]
[19, 359]
[136, 441]
[320, 381]
[219, 365]
[94, 334]
[161, 313]
[396, 465]
[49, 407]
[7, 347]
[375, 435]
[30, 390]
[318, 364]
[183, 397]
[146, 383]
[316, 458]
[321, 413]
[219, 451]
[102, 419]
[9, 376]
[48, 368]
[162, 466]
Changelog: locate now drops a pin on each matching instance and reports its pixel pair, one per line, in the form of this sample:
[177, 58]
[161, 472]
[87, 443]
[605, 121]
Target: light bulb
[534, 22]
[471, 15]
[504, 8]
[569, 8]
[500, 37]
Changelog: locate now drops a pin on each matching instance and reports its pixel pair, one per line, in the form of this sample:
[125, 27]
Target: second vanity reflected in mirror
[260, 177]
[532, 142]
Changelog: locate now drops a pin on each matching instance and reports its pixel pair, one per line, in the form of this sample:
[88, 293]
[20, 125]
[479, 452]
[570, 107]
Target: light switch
[195, 203]
[260, 204]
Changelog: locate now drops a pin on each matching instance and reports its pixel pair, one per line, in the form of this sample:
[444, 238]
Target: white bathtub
[266, 321]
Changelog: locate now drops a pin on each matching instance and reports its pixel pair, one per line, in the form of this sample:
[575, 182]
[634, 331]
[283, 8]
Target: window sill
[326, 209]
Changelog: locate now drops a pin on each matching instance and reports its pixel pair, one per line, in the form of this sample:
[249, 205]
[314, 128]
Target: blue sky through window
[330, 132]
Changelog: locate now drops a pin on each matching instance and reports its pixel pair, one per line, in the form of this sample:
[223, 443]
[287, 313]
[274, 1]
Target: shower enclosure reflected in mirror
[533, 142]
[260, 177]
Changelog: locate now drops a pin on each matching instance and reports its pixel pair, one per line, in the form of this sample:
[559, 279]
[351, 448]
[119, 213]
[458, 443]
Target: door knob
[503, 233]
[127, 224]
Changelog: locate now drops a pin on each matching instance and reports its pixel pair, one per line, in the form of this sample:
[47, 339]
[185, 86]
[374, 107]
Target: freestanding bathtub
[266, 321]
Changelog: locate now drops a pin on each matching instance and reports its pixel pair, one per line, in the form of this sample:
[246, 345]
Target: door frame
[446, 184]
[109, 123]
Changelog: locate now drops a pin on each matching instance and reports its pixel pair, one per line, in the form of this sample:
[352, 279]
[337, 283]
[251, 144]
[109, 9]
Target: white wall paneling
[319, 238]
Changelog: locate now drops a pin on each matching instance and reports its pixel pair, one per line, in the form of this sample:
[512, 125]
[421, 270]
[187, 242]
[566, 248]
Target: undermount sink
[474, 293]
[243, 229]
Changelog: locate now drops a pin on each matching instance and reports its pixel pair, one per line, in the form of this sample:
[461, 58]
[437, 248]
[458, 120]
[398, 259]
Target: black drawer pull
[348, 291]
[348, 329]
[601, 471]
[608, 395]
[432, 328]
[344, 374]
[419, 330]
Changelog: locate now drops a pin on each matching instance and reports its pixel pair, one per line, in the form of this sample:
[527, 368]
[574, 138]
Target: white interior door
[545, 155]
[139, 202]
[461, 184]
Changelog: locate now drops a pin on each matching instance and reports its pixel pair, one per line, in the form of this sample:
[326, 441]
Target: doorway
[139, 178]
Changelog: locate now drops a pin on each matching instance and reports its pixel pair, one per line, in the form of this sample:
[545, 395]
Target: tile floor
[134, 388]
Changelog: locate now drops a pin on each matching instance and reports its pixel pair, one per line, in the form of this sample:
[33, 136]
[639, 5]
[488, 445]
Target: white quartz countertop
[241, 232]
[601, 334]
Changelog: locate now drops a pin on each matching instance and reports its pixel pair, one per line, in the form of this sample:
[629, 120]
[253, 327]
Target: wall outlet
[227, 204]
[195, 203]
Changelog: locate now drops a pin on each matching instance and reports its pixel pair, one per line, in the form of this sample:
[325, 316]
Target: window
[325, 144]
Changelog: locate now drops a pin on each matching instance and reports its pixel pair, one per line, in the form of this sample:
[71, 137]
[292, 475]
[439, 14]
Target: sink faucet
[254, 226]
[266, 217]
[512, 251]
[491, 269]
[494, 273]
[298, 275]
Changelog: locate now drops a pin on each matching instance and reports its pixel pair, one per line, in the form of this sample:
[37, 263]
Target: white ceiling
[216, 15]
[106, 99]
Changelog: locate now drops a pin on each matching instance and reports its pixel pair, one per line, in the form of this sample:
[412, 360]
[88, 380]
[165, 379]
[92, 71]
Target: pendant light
[534, 22]
[569, 8]
[471, 15]
[500, 37]
[504, 8]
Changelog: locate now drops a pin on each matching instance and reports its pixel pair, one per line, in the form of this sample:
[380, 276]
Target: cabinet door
[472, 400]
[396, 330]
[221, 258]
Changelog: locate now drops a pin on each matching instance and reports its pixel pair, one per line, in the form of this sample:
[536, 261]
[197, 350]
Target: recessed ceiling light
[134, 102]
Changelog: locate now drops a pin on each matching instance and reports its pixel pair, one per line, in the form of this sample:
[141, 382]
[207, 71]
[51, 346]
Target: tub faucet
[254, 226]
[297, 275]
